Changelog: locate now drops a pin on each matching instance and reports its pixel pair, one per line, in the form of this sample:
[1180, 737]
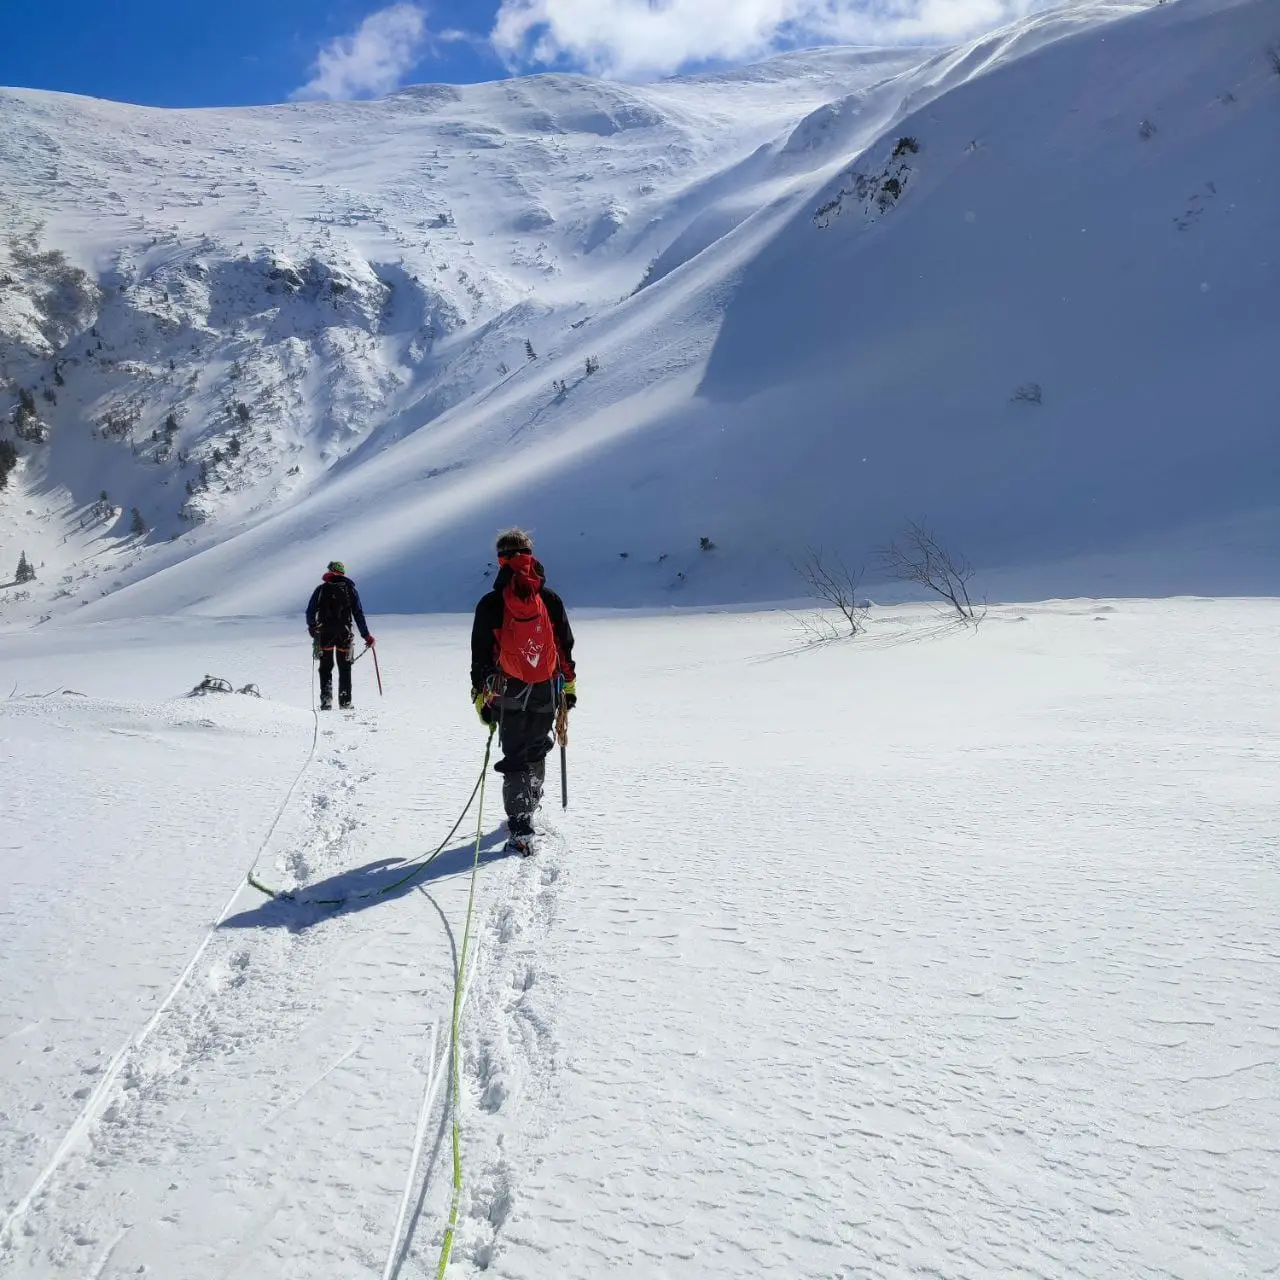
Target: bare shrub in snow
[706, 544]
[830, 580]
[211, 684]
[1028, 393]
[1146, 131]
[1273, 56]
[918, 556]
[593, 365]
[906, 145]
[216, 684]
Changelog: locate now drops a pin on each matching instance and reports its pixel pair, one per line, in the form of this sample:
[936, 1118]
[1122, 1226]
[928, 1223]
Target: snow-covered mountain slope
[1019, 289]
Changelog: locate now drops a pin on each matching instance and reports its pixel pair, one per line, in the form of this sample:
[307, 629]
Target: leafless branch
[918, 556]
[830, 580]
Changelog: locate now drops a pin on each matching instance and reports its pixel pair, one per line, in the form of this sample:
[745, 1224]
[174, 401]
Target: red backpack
[526, 641]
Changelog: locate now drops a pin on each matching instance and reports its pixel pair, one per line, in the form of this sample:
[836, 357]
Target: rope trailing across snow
[96, 1102]
[459, 989]
[460, 986]
[416, 868]
[446, 1246]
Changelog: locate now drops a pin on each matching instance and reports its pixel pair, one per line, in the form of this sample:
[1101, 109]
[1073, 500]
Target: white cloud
[375, 60]
[637, 38]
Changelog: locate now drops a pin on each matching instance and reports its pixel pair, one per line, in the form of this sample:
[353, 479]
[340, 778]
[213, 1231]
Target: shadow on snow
[363, 887]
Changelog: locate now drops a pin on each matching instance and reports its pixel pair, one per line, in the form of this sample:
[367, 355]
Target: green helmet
[336, 566]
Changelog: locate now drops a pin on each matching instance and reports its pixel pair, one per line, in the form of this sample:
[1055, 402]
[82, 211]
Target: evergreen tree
[25, 569]
[138, 527]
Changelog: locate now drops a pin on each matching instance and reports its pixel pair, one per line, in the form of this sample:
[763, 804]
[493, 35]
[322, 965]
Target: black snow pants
[339, 648]
[527, 717]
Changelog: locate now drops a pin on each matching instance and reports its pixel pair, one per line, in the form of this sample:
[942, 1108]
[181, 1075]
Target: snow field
[942, 952]
[953, 958]
[219, 1137]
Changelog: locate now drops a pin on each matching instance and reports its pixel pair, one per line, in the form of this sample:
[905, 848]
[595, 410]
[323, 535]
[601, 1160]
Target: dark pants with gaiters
[527, 717]
[336, 648]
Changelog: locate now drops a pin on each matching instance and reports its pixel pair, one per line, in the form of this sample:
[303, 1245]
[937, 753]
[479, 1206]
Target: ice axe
[562, 737]
[369, 648]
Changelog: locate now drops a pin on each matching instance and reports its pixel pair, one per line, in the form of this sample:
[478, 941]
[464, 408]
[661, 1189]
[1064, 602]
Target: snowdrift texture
[972, 975]
[1024, 290]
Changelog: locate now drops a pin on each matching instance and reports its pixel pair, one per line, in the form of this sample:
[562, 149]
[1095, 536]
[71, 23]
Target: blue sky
[241, 52]
[230, 53]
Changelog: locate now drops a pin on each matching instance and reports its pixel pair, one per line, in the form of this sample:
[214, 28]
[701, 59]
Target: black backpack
[333, 609]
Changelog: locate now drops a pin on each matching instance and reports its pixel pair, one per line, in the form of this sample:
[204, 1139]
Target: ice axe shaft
[376, 669]
[562, 737]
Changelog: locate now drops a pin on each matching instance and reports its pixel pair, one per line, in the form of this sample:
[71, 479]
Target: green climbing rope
[455, 1052]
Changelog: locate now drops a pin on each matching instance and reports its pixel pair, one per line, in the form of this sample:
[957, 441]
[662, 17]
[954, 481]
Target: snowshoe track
[509, 1063]
[509, 1047]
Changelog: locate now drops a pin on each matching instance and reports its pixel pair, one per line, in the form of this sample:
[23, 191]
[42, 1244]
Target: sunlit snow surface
[942, 952]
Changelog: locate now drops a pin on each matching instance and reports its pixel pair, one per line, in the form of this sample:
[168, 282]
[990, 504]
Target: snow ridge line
[89, 1112]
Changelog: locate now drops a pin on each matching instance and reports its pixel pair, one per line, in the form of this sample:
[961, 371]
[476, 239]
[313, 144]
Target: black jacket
[488, 622]
[356, 612]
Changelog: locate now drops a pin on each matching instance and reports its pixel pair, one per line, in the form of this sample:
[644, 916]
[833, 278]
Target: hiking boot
[345, 706]
[525, 845]
[326, 704]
